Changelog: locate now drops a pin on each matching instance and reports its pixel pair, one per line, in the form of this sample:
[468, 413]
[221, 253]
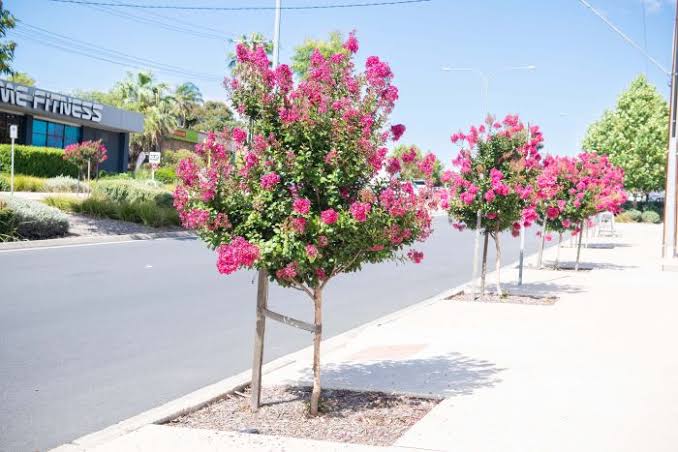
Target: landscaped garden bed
[504, 298]
[362, 417]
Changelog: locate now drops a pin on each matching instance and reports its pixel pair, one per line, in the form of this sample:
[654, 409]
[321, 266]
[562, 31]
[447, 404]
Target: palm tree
[187, 96]
[140, 92]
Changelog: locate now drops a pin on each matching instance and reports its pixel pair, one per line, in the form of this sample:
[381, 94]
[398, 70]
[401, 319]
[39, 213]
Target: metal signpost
[13, 134]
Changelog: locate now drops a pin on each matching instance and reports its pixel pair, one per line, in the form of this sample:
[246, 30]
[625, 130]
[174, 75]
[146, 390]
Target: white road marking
[77, 245]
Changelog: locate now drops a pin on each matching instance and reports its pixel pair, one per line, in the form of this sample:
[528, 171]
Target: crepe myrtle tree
[85, 155]
[570, 190]
[497, 169]
[306, 193]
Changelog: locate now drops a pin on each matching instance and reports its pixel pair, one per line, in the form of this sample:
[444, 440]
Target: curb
[90, 240]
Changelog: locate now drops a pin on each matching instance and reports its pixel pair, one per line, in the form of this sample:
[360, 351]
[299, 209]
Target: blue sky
[581, 64]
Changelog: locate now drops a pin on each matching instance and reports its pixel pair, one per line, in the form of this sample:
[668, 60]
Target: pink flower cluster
[236, 254]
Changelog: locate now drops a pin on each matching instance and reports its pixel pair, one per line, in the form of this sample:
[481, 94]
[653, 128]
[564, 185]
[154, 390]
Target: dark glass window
[6, 120]
[55, 135]
[71, 135]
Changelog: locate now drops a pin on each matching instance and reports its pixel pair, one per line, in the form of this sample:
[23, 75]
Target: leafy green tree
[252, 41]
[302, 54]
[413, 172]
[187, 97]
[7, 22]
[635, 137]
[212, 116]
[22, 78]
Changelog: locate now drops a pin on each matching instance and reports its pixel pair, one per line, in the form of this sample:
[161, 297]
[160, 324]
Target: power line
[68, 44]
[194, 31]
[622, 34]
[241, 8]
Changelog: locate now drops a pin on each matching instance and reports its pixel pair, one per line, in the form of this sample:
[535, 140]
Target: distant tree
[635, 136]
[302, 54]
[7, 22]
[110, 97]
[187, 96]
[212, 116]
[251, 42]
[22, 78]
[412, 172]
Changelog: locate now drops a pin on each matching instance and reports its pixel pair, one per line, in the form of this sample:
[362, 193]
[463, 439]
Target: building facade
[56, 120]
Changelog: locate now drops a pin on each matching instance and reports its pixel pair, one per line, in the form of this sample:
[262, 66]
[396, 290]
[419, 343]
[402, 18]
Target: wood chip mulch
[507, 298]
[361, 417]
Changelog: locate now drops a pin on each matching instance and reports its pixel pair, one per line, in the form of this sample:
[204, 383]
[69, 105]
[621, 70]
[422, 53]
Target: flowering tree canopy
[306, 192]
[572, 189]
[86, 154]
[497, 168]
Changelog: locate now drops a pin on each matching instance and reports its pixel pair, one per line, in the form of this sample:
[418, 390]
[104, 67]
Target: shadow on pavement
[445, 375]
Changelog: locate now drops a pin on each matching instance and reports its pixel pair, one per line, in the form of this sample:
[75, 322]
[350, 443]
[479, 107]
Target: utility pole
[276, 34]
[670, 234]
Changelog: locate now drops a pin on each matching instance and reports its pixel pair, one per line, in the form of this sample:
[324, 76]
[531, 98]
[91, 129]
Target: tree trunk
[560, 240]
[317, 337]
[483, 272]
[581, 232]
[540, 257]
[497, 261]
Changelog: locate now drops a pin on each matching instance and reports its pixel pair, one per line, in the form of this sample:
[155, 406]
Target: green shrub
[65, 184]
[4, 183]
[37, 161]
[650, 216]
[23, 182]
[35, 220]
[166, 175]
[7, 223]
[132, 191]
[172, 158]
[624, 217]
[633, 214]
[65, 203]
[145, 212]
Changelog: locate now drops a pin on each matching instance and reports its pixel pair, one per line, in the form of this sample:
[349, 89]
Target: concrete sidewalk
[596, 371]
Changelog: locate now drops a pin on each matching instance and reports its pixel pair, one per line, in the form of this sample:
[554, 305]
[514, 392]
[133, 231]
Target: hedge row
[26, 219]
[36, 161]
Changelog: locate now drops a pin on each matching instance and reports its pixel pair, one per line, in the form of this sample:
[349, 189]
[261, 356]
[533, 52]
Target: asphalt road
[90, 335]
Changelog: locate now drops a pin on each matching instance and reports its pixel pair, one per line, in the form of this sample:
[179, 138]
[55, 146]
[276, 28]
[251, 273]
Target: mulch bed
[362, 417]
[506, 298]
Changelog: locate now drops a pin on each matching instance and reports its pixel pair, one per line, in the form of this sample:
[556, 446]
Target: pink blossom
[397, 130]
[288, 272]
[393, 165]
[489, 196]
[351, 43]
[239, 135]
[301, 206]
[376, 248]
[552, 212]
[329, 216]
[323, 241]
[195, 218]
[298, 225]
[359, 210]
[311, 252]
[187, 171]
[459, 226]
[270, 180]
[238, 253]
[415, 256]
